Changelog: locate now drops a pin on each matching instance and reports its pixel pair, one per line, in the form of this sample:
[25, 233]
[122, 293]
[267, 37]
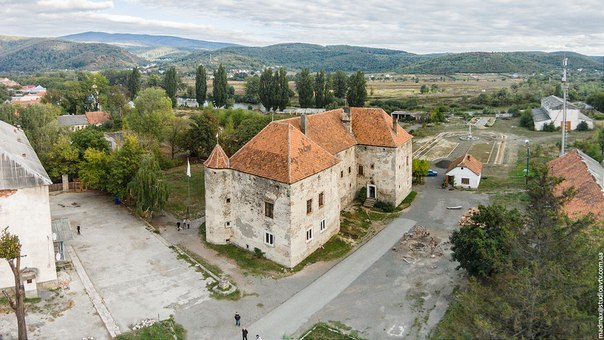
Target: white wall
[27, 215]
[460, 173]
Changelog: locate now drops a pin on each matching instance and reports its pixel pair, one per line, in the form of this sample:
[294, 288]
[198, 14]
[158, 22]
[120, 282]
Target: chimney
[468, 156]
[303, 123]
[347, 119]
[394, 124]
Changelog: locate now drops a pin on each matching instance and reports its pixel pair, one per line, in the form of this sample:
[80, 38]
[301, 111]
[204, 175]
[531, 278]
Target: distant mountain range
[97, 50]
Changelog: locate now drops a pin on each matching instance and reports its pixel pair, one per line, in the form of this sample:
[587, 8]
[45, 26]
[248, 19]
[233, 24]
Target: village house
[25, 210]
[464, 172]
[551, 110]
[97, 118]
[73, 122]
[587, 177]
[282, 192]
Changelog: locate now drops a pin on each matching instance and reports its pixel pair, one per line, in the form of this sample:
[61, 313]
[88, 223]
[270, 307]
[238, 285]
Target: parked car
[432, 173]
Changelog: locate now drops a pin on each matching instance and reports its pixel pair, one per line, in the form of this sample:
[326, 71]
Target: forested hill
[35, 54]
[352, 58]
[297, 56]
[500, 62]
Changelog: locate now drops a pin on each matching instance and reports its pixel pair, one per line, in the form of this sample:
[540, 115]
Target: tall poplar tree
[266, 89]
[282, 89]
[357, 90]
[134, 82]
[220, 85]
[320, 83]
[304, 86]
[340, 84]
[171, 84]
[201, 85]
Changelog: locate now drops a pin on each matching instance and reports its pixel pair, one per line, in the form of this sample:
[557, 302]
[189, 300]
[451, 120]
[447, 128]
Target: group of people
[185, 224]
[243, 331]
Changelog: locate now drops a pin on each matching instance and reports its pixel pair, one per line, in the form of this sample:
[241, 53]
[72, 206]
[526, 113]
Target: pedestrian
[188, 223]
[237, 319]
[244, 333]
[78, 228]
[178, 225]
[258, 337]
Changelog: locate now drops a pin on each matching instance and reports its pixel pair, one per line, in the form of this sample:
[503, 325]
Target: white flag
[188, 168]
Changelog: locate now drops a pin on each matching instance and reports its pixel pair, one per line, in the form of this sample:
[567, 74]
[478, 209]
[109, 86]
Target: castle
[282, 192]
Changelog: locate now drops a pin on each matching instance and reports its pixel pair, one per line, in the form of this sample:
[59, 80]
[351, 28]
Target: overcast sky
[418, 26]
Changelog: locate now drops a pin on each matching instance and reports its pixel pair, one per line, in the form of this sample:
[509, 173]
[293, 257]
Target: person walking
[237, 319]
[244, 333]
[178, 225]
[258, 337]
[78, 228]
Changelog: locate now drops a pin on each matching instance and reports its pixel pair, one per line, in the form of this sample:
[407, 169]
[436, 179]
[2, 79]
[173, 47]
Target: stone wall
[379, 166]
[346, 176]
[27, 214]
[219, 205]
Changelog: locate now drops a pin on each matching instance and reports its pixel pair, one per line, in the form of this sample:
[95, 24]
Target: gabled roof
[585, 175]
[282, 153]
[19, 164]
[72, 120]
[326, 129]
[556, 103]
[374, 127]
[467, 161]
[97, 117]
[218, 159]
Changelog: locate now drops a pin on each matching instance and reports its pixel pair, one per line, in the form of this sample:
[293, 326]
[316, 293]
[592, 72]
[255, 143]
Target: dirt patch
[441, 150]
[443, 164]
[419, 243]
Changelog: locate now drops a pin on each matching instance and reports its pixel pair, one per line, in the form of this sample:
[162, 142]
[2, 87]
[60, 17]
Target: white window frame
[269, 238]
[322, 225]
[309, 232]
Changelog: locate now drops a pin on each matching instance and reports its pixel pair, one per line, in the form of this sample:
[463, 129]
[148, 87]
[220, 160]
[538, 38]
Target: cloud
[73, 5]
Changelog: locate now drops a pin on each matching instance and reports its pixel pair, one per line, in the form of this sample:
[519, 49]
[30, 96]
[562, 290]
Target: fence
[77, 186]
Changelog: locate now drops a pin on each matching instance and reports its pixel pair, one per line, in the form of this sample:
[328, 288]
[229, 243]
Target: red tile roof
[282, 153]
[374, 127]
[326, 129]
[467, 161]
[589, 196]
[97, 117]
[218, 159]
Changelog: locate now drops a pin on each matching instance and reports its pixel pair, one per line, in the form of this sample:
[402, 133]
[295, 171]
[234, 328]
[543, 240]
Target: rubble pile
[417, 243]
[144, 323]
[466, 219]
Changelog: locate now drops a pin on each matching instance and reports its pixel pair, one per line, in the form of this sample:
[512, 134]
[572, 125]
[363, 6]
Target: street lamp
[528, 157]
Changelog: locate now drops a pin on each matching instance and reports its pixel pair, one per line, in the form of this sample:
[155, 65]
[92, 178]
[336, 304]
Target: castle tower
[218, 197]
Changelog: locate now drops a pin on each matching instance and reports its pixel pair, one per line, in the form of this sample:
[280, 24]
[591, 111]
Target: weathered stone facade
[283, 191]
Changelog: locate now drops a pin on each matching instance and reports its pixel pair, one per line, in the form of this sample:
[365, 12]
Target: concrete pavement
[295, 312]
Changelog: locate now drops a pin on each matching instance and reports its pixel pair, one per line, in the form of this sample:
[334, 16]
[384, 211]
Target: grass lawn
[162, 330]
[178, 185]
[330, 331]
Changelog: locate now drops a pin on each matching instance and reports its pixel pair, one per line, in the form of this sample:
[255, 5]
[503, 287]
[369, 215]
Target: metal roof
[19, 164]
[594, 168]
[556, 103]
[540, 115]
[72, 120]
[62, 229]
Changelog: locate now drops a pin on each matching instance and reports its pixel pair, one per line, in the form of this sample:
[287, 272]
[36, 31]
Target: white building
[25, 210]
[551, 110]
[282, 192]
[464, 172]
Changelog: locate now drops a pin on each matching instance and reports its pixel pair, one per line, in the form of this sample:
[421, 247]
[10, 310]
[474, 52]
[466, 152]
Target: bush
[259, 253]
[582, 126]
[526, 120]
[385, 207]
[551, 127]
[362, 195]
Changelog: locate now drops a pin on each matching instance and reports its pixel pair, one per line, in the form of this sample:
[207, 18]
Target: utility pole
[565, 89]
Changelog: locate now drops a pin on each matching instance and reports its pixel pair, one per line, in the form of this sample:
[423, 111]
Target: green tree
[282, 89]
[424, 89]
[151, 114]
[320, 83]
[201, 85]
[134, 82]
[63, 159]
[220, 85]
[304, 86]
[89, 137]
[170, 85]
[600, 140]
[123, 166]
[252, 90]
[526, 120]
[7, 114]
[154, 80]
[267, 90]
[419, 169]
[201, 136]
[10, 250]
[357, 90]
[176, 134]
[148, 189]
[39, 122]
[94, 169]
[340, 84]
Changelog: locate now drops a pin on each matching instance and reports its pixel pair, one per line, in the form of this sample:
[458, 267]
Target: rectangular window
[465, 181]
[361, 173]
[372, 166]
[321, 196]
[268, 209]
[407, 160]
[269, 239]
[309, 206]
[341, 173]
[308, 234]
[228, 200]
[228, 224]
[322, 226]
[349, 169]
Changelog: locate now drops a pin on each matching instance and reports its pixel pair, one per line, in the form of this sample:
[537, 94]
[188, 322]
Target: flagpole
[188, 189]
